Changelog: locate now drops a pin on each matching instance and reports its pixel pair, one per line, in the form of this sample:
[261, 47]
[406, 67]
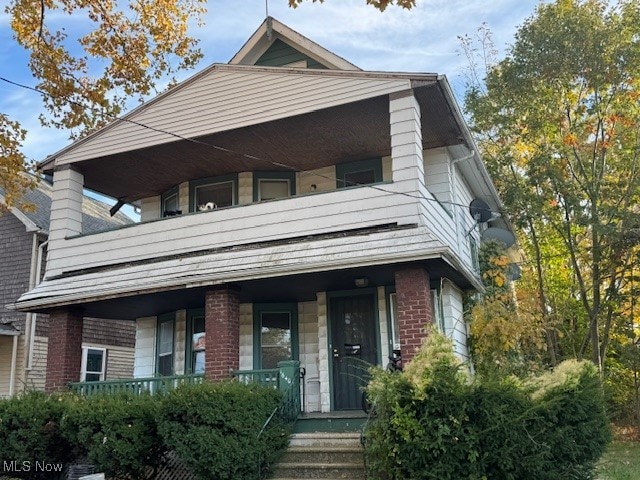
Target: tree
[379, 4]
[87, 77]
[559, 124]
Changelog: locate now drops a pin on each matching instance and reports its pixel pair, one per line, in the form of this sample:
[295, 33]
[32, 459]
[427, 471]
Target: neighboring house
[293, 207]
[107, 347]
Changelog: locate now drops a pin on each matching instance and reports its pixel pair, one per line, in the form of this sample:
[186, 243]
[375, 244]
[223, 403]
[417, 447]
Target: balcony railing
[136, 386]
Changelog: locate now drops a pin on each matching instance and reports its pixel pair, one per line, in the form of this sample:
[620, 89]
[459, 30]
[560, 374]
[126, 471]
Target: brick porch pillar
[415, 309]
[222, 327]
[64, 355]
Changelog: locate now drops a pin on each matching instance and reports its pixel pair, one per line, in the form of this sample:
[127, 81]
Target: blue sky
[423, 39]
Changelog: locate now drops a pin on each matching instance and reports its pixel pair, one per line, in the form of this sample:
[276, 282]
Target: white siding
[245, 188]
[226, 98]
[387, 169]
[455, 326]
[246, 336]
[437, 176]
[309, 353]
[285, 218]
[466, 222]
[150, 208]
[323, 352]
[145, 351]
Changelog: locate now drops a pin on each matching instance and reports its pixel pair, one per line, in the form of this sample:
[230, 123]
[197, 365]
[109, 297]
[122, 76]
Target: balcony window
[273, 185]
[196, 342]
[93, 364]
[165, 344]
[275, 334]
[363, 172]
[211, 193]
[170, 203]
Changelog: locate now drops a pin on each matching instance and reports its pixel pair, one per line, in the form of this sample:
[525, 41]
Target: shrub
[117, 433]
[30, 432]
[214, 427]
[432, 421]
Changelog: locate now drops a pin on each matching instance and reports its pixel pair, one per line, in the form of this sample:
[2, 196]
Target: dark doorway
[353, 340]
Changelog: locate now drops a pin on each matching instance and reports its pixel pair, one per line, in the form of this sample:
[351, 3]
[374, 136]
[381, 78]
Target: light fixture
[362, 282]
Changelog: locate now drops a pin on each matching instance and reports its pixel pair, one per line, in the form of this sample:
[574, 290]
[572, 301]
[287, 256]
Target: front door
[353, 347]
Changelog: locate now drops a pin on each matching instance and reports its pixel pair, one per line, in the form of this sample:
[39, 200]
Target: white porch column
[66, 210]
[14, 359]
[406, 142]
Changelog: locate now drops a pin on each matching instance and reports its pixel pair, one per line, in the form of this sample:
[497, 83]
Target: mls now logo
[14, 466]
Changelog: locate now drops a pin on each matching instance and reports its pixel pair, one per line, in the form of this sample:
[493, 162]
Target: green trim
[233, 177]
[258, 308]
[163, 318]
[257, 176]
[188, 350]
[281, 54]
[172, 191]
[371, 291]
[342, 169]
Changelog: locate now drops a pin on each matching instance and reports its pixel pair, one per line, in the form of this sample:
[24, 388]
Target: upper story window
[170, 203]
[272, 185]
[214, 192]
[362, 172]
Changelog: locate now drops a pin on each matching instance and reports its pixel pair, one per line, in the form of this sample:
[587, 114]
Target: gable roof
[272, 30]
[95, 214]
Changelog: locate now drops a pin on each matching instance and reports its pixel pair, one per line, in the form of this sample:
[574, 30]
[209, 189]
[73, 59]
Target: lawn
[621, 461]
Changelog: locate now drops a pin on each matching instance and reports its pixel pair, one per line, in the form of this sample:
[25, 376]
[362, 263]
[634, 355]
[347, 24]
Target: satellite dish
[513, 272]
[480, 210]
[499, 235]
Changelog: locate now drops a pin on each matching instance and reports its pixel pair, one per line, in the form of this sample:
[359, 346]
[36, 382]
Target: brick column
[64, 356]
[222, 327]
[415, 309]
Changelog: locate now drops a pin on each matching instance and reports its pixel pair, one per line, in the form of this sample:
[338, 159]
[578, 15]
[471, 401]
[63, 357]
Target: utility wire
[235, 152]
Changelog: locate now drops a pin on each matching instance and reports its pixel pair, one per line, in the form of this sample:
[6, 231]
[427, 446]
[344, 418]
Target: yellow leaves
[379, 4]
[570, 139]
[13, 165]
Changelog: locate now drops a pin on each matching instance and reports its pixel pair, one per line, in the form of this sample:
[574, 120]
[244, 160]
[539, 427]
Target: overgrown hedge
[213, 428]
[435, 422]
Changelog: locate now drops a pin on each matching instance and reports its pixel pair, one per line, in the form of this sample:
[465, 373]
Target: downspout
[14, 358]
[34, 280]
[29, 317]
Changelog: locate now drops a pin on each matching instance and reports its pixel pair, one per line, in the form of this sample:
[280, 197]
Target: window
[275, 334]
[272, 185]
[170, 203]
[362, 172]
[210, 193]
[196, 341]
[166, 326]
[438, 314]
[394, 331]
[93, 364]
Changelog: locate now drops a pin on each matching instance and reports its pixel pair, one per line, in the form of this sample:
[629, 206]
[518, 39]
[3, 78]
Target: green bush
[30, 432]
[434, 421]
[117, 433]
[214, 429]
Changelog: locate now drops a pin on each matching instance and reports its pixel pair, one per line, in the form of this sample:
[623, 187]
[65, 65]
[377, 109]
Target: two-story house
[293, 206]
[106, 351]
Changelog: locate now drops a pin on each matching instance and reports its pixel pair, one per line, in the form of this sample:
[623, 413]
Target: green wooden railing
[266, 377]
[137, 386]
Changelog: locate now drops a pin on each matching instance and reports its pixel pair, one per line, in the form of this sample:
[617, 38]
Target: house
[106, 350]
[293, 206]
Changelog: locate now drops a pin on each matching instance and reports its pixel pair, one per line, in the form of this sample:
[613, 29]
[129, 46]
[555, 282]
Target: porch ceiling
[325, 137]
[294, 288]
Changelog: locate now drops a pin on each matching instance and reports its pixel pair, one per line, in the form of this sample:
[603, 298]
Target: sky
[424, 39]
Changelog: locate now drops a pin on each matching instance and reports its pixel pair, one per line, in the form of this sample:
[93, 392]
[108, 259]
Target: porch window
[196, 342]
[363, 172]
[272, 185]
[165, 345]
[93, 364]
[275, 334]
[394, 331]
[170, 203]
[215, 192]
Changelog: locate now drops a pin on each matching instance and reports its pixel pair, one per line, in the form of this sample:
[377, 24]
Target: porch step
[332, 422]
[322, 455]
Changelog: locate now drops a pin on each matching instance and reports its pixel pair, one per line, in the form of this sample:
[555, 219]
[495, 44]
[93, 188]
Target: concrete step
[325, 439]
[319, 470]
[316, 454]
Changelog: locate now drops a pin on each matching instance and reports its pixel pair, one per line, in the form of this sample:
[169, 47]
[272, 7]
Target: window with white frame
[94, 362]
[213, 192]
[395, 327]
[165, 345]
[273, 185]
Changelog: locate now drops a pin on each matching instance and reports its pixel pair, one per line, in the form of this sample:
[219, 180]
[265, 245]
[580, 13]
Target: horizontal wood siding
[145, 351]
[455, 326]
[226, 99]
[179, 343]
[437, 177]
[246, 337]
[324, 180]
[245, 188]
[280, 54]
[285, 218]
[119, 362]
[150, 208]
[37, 375]
[6, 346]
[466, 221]
[238, 265]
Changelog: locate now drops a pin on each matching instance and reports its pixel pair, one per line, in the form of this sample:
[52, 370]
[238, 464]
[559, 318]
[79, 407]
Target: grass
[621, 461]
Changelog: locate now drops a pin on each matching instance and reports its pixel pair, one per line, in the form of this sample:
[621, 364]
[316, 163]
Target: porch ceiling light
[362, 282]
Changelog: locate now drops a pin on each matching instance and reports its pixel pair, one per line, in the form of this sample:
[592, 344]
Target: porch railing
[136, 386]
[265, 377]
